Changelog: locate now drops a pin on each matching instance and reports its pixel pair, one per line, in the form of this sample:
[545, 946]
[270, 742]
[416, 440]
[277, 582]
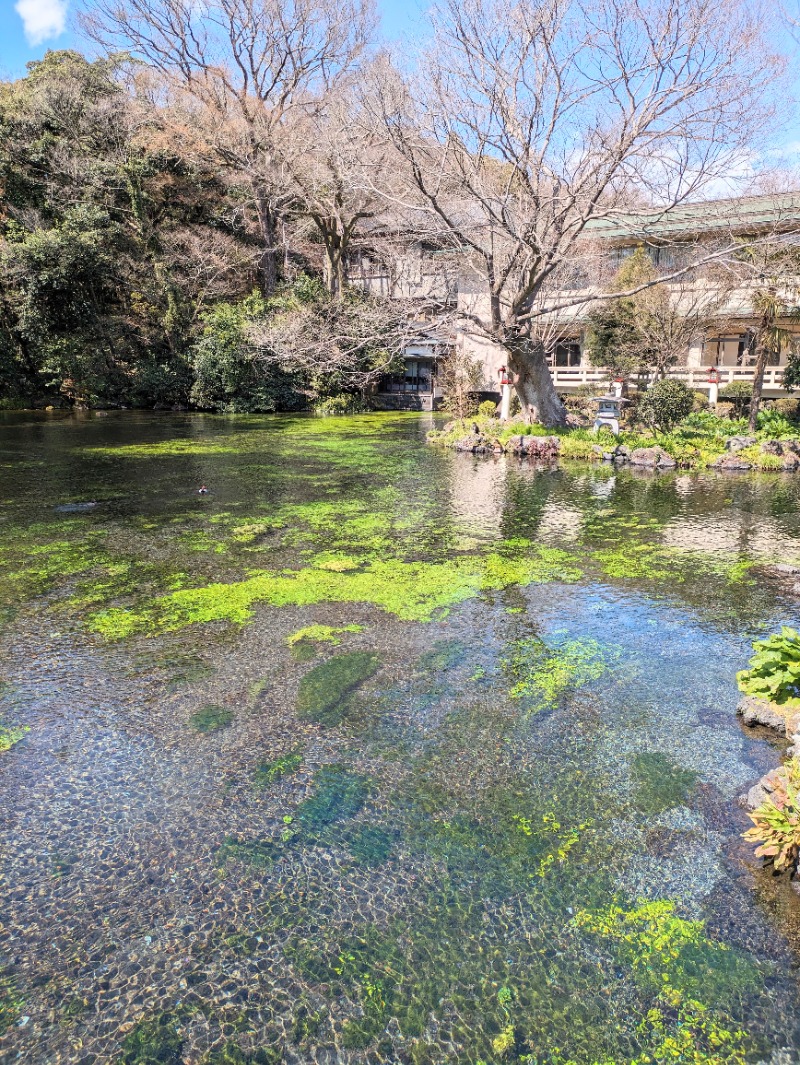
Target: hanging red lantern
[713, 375]
[504, 378]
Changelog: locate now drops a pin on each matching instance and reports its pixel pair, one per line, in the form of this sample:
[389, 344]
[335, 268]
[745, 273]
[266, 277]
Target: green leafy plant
[774, 671]
[268, 772]
[739, 393]
[487, 409]
[776, 823]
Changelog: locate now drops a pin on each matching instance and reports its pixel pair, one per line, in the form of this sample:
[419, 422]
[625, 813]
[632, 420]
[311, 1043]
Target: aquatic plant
[321, 634]
[324, 690]
[211, 718]
[661, 784]
[260, 853]
[370, 845]
[9, 736]
[413, 591]
[155, 1039]
[776, 822]
[232, 1054]
[10, 1002]
[267, 773]
[339, 794]
[441, 656]
[542, 674]
[774, 671]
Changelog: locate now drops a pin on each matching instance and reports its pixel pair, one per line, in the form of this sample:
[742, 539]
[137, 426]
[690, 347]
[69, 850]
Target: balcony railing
[696, 377]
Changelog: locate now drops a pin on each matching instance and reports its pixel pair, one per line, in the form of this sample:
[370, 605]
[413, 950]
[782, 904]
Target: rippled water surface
[377, 753]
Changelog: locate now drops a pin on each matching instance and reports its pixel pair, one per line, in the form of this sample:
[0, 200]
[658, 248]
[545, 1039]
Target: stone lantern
[609, 412]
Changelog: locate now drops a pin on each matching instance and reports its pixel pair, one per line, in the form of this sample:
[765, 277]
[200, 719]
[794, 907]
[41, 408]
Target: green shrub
[789, 408]
[774, 671]
[776, 823]
[739, 393]
[665, 404]
[699, 401]
[774, 425]
[341, 404]
[487, 409]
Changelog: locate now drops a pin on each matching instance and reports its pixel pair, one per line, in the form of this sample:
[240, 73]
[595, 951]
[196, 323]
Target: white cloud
[42, 19]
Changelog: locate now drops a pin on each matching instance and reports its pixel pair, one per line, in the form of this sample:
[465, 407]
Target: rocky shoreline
[549, 449]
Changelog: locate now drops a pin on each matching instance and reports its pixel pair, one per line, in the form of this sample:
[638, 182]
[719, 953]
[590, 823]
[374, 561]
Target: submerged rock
[75, 508]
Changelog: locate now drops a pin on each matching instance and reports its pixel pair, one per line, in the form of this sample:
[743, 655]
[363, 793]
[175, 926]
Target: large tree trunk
[534, 385]
[268, 258]
[762, 352]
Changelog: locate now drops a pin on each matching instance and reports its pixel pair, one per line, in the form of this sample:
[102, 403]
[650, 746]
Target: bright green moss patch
[211, 719]
[637, 561]
[268, 772]
[660, 783]
[168, 449]
[324, 691]
[413, 591]
[339, 794]
[542, 675]
[9, 736]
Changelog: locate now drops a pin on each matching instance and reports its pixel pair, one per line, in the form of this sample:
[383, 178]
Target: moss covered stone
[151, 1041]
[660, 783]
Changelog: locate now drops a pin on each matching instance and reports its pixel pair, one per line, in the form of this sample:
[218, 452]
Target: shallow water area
[378, 753]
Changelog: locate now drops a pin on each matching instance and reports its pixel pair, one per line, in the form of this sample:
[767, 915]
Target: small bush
[739, 393]
[774, 425]
[774, 671]
[700, 401]
[665, 404]
[339, 405]
[789, 408]
[776, 823]
[487, 409]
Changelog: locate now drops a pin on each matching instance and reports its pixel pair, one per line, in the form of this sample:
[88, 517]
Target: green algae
[324, 692]
[166, 449]
[441, 656]
[637, 561]
[371, 845]
[232, 1054]
[259, 853]
[9, 736]
[542, 675]
[661, 784]
[413, 591]
[155, 1039]
[211, 718]
[321, 634]
[10, 1002]
[339, 794]
[267, 773]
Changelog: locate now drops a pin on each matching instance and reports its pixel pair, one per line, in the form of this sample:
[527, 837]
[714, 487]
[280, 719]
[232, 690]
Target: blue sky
[29, 27]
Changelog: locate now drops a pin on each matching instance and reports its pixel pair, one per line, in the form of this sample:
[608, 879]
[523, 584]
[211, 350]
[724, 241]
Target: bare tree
[531, 122]
[249, 65]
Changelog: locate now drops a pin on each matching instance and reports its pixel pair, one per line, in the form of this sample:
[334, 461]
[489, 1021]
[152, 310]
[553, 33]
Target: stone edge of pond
[755, 711]
[779, 456]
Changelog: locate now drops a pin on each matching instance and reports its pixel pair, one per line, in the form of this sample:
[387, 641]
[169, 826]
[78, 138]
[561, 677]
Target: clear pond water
[378, 753]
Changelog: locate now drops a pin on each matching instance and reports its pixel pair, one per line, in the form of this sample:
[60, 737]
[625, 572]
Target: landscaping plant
[774, 672]
[776, 823]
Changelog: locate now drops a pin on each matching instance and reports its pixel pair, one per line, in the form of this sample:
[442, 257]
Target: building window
[417, 377]
[566, 353]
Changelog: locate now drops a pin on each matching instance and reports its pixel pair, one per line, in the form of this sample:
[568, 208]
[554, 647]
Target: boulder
[731, 464]
[755, 711]
[473, 442]
[783, 569]
[652, 457]
[736, 443]
[790, 462]
[791, 446]
[772, 447]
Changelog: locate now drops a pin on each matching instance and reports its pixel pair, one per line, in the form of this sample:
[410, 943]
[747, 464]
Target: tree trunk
[762, 352]
[268, 258]
[534, 385]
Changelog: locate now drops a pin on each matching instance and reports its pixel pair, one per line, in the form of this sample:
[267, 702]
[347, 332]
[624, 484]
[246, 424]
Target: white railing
[694, 376]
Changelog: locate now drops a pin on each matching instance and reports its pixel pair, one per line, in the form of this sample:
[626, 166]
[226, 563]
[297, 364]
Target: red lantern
[713, 375]
[504, 378]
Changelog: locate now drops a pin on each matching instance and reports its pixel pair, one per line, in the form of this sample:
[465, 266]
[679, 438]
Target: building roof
[741, 213]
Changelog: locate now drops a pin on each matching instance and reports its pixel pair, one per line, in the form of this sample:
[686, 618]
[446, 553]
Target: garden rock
[790, 463]
[730, 463]
[755, 711]
[536, 447]
[652, 457]
[736, 443]
[473, 442]
[772, 447]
